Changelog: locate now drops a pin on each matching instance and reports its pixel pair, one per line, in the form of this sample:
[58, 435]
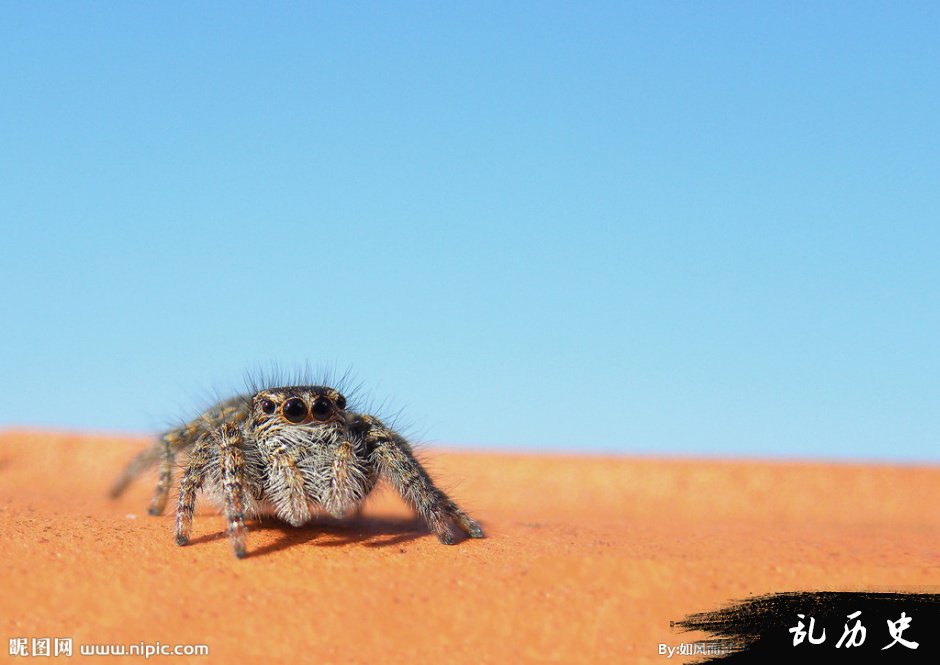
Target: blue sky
[651, 228]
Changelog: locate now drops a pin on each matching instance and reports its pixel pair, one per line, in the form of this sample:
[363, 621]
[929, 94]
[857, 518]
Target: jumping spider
[289, 450]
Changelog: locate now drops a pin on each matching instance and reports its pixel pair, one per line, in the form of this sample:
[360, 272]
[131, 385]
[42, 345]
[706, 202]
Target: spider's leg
[190, 482]
[169, 446]
[141, 462]
[393, 457]
[164, 477]
[232, 457]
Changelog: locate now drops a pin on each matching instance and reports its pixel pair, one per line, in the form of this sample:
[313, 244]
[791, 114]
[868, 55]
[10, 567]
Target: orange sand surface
[586, 558]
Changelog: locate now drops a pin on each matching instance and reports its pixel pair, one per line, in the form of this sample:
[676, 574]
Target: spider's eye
[295, 410]
[322, 408]
[341, 402]
[268, 406]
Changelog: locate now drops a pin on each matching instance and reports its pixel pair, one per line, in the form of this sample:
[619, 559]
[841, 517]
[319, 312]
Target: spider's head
[298, 406]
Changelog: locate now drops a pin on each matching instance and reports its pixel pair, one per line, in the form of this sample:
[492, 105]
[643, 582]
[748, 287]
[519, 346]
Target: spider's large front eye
[268, 406]
[322, 408]
[295, 410]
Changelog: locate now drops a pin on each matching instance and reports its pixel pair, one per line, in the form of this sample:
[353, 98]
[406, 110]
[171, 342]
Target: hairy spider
[289, 450]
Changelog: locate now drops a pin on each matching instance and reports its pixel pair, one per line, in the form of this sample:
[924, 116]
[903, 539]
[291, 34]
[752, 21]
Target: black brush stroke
[757, 630]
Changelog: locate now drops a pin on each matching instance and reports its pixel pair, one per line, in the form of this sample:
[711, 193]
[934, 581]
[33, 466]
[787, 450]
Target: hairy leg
[169, 447]
[163, 452]
[164, 477]
[393, 457]
[141, 462]
[232, 458]
[189, 484]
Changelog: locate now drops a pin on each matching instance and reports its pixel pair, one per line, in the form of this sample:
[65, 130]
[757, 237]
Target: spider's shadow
[328, 532]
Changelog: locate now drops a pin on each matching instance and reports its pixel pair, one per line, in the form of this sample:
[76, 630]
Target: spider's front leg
[222, 447]
[232, 458]
[190, 483]
[393, 457]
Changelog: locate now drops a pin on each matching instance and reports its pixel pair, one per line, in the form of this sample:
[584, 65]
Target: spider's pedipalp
[287, 486]
[349, 476]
